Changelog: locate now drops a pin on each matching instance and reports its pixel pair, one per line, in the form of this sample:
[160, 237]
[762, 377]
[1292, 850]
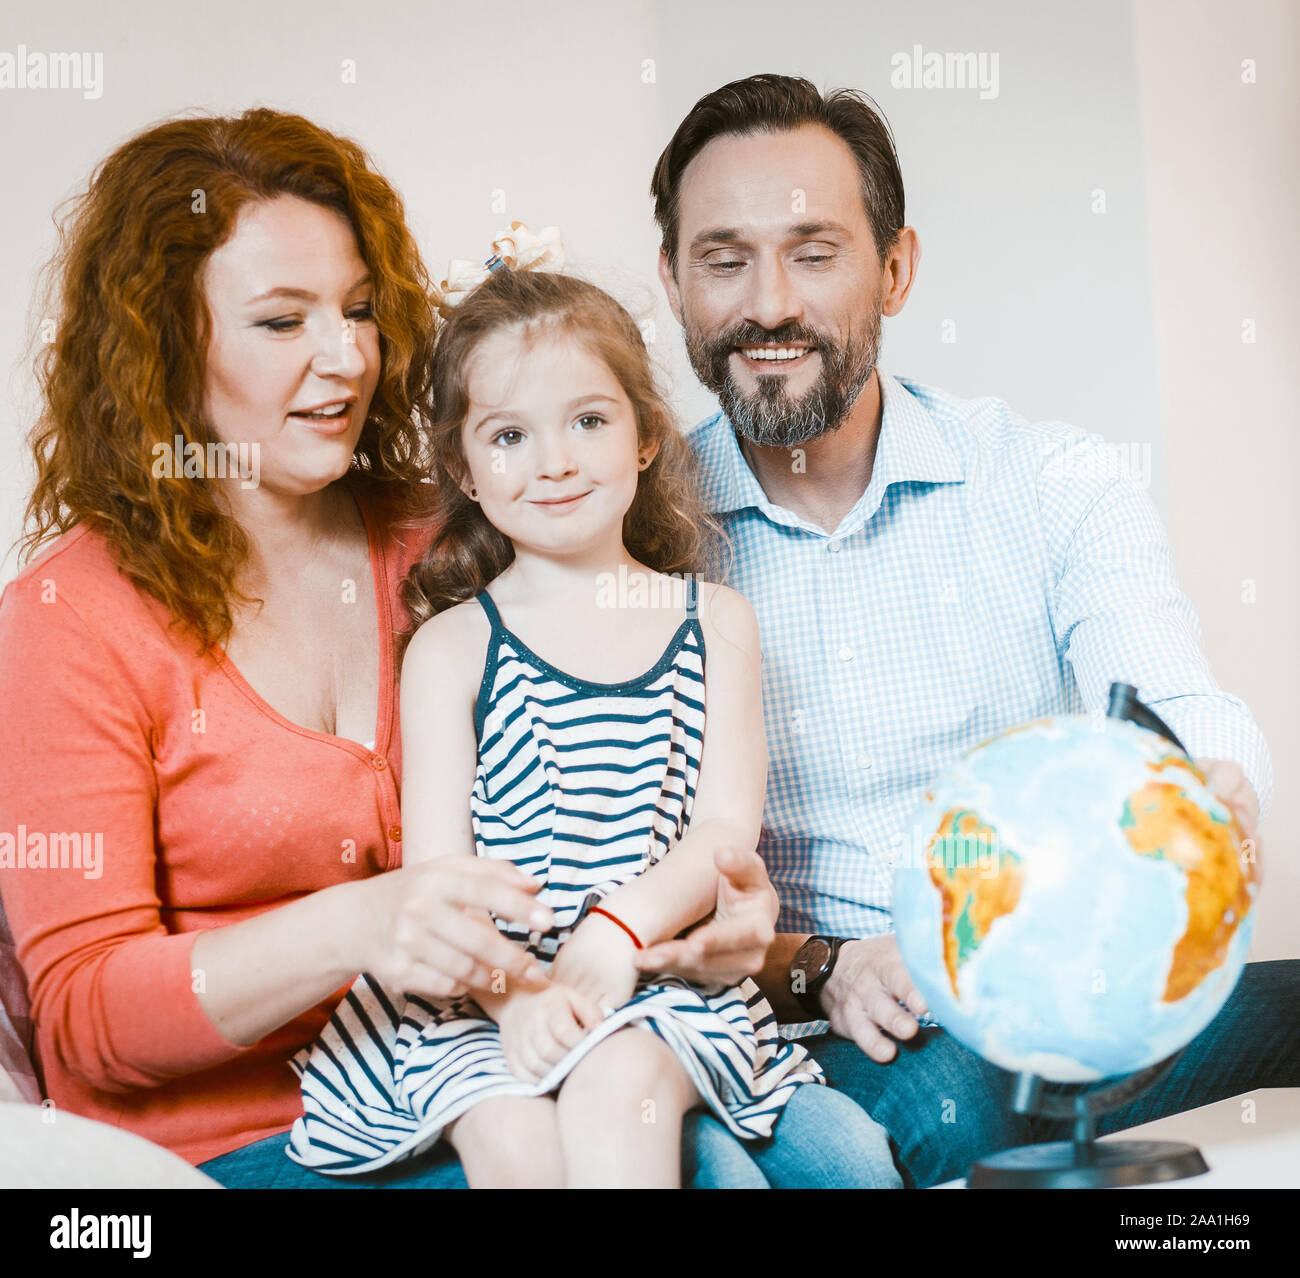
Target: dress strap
[482, 701]
[490, 608]
[691, 600]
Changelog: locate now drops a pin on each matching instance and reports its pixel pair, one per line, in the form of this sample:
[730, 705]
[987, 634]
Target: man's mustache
[755, 335]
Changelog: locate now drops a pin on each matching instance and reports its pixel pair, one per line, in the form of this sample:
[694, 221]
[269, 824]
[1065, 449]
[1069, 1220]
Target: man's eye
[501, 434]
[817, 258]
[727, 267]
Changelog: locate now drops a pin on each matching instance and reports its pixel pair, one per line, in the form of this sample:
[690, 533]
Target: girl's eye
[501, 434]
[592, 417]
[365, 311]
[280, 325]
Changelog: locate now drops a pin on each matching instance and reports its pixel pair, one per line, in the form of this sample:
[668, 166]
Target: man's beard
[770, 416]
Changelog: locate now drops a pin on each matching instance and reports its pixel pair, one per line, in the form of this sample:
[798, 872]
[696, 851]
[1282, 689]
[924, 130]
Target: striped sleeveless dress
[583, 786]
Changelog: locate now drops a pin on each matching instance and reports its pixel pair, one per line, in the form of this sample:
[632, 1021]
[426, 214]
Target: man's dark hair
[775, 104]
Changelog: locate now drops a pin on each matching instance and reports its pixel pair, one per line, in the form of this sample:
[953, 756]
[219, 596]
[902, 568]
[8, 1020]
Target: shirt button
[378, 762]
[846, 653]
[834, 547]
[395, 833]
[864, 761]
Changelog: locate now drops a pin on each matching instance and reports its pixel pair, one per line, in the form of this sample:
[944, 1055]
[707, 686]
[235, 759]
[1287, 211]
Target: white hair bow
[517, 248]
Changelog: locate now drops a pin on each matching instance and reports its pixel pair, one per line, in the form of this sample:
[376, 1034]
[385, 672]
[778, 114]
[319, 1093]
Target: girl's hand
[597, 961]
[538, 1029]
[422, 928]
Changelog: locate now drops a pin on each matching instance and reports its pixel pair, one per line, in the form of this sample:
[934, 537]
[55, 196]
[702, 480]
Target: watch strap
[809, 999]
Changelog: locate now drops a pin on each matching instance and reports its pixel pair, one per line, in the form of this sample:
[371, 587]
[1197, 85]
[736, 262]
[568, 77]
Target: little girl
[555, 683]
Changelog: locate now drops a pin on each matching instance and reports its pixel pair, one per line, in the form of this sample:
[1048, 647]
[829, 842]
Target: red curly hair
[127, 367]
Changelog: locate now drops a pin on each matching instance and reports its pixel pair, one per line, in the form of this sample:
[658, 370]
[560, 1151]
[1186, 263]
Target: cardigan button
[378, 762]
[395, 833]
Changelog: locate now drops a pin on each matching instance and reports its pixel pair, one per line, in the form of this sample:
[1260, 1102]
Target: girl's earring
[473, 492]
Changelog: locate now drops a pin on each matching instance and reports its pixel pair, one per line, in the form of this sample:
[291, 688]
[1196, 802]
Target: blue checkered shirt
[995, 570]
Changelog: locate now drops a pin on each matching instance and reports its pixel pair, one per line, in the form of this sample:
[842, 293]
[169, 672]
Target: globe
[1077, 903]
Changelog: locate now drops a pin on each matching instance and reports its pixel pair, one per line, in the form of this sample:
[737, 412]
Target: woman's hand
[539, 1028]
[597, 962]
[423, 929]
[734, 942]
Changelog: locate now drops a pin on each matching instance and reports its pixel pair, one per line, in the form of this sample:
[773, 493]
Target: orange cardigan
[209, 807]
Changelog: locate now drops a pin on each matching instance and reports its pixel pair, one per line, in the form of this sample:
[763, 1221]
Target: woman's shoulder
[78, 549]
[72, 620]
[77, 568]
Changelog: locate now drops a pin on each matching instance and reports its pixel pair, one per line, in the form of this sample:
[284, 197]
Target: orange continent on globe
[1160, 821]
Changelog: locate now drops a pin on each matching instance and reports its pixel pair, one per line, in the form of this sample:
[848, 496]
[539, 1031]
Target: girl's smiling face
[550, 441]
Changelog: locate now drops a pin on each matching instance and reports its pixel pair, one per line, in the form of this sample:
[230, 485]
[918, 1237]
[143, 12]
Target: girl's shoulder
[454, 640]
[721, 603]
[727, 617]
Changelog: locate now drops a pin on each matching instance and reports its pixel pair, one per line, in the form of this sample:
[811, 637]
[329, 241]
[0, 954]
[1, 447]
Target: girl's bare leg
[509, 1142]
[620, 1114]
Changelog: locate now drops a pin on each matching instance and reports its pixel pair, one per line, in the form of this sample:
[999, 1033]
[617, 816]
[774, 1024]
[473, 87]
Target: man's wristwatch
[810, 969]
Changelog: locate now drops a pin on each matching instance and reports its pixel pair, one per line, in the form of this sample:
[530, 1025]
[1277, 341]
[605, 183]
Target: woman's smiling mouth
[333, 418]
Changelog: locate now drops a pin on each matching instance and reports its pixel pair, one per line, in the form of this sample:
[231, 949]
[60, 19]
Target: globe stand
[1081, 1162]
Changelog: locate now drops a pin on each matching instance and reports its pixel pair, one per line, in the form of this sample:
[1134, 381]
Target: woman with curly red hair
[197, 677]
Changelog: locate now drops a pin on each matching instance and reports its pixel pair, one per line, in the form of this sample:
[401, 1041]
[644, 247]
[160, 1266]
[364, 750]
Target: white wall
[1124, 321]
[551, 105]
[1223, 192]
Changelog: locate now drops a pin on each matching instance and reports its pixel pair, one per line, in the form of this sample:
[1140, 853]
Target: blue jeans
[821, 1140]
[944, 1106]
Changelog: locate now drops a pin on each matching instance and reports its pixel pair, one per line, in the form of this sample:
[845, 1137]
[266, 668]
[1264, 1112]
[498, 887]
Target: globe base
[1067, 1164]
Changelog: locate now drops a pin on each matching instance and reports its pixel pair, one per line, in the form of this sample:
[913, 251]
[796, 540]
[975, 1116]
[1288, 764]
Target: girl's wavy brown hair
[666, 527]
[126, 370]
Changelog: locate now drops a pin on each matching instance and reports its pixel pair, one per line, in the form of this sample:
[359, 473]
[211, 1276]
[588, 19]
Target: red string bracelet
[636, 940]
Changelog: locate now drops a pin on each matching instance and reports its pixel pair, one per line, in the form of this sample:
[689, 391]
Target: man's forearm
[774, 979]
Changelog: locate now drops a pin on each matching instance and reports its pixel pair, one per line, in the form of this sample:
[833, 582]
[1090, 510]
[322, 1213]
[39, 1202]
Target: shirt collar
[910, 448]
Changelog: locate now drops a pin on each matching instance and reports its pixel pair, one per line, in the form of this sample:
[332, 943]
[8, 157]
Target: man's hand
[734, 942]
[1229, 782]
[863, 994]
